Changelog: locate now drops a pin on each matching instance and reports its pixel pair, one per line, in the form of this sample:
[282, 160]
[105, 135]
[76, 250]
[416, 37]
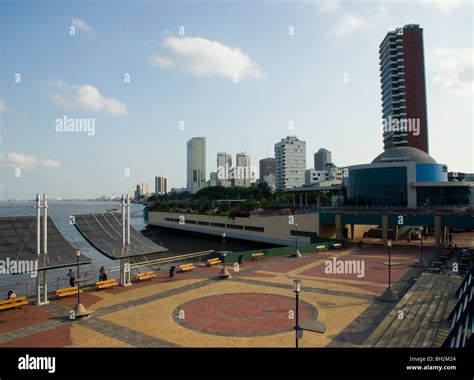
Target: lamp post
[297, 290]
[389, 295]
[422, 262]
[224, 273]
[79, 310]
[296, 253]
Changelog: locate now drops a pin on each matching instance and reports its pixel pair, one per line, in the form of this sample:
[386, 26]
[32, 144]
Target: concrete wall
[277, 229]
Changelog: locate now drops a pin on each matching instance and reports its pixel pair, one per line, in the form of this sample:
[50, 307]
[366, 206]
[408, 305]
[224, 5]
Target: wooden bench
[213, 261]
[320, 248]
[13, 303]
[107, 284]
[257, 256]
[186, 267]
[66, 292]
[145, 276]
[337, 245]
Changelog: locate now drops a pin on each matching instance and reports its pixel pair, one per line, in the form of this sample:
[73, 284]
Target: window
[256, 229]
[235, 226]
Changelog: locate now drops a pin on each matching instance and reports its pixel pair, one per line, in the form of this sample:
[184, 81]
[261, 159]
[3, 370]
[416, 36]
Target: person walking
[72, 278]
[102, 274]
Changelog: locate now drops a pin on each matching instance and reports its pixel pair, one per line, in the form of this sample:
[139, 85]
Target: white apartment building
[290, 163]
[145, 187]
[224, 164]
[242, 174]
[332, 174]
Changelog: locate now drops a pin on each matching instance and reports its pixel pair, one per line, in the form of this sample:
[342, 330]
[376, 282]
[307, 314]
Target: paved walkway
[255, 308]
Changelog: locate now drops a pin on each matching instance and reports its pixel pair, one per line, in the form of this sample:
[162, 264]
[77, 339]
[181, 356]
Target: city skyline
[321, 84]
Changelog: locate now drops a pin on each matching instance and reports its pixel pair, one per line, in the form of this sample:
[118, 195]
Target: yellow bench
[320, 248]
[213, 261]
[186, 267]
[337, 245]
[65, 292]
[107, 284]
[258, 256]
[13, 303]
[145, 276]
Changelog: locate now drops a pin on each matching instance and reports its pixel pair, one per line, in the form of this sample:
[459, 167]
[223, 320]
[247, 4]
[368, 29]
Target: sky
[150, 75]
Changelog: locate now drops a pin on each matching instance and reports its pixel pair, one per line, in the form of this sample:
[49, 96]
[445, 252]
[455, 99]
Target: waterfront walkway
[252, 309]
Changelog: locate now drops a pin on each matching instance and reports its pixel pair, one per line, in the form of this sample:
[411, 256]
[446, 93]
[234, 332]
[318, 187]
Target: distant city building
[269, 180]
[321, 158]
[196, 164]
[138, 193]
[224, 163]
[332, 174]
[213, 179]
[460, 177]
[161, 185]
[290, 163]
[242, 174]
[402, 77]
[145, 188]
[178, 190]
[267, 167]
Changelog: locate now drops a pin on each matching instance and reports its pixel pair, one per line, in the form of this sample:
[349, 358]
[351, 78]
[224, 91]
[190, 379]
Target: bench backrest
[12, 300]
[113, 280]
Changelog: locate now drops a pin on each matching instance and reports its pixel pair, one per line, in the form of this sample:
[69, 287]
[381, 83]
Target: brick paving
[249, 314]
[251, 309]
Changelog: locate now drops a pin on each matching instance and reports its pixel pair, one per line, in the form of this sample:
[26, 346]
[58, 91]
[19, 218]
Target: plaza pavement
[255, 308]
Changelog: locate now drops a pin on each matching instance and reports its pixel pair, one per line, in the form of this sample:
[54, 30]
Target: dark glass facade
[440, 195]
[378, 186]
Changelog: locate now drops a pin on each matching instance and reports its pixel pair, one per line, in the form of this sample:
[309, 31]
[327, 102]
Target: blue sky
[190, 77]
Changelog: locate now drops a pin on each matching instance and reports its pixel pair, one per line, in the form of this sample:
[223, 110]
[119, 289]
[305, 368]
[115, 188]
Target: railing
[461, 333]
[166, 260]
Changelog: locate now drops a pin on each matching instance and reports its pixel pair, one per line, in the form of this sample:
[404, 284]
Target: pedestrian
[11, 295]
[102, 274]
[72, 277]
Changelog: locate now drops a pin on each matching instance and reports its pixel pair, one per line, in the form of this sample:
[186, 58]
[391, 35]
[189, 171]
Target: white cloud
[455, 70]
[86, 97]
[22, 161]
[348, 24]
[202, 57]
[3, 106]
[324, 6]
[81, 25]
[444, 5]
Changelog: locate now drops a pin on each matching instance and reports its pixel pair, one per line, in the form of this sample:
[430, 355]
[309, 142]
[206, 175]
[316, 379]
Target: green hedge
[280, 251]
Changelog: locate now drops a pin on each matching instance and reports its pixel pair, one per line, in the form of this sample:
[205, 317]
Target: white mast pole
[123, 219]
[128, 219]
[38, 245]
[45, 246]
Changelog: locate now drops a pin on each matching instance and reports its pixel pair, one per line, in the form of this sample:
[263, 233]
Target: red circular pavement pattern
[241, 314]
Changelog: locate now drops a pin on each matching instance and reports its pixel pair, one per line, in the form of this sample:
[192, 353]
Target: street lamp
[389, 295]
[296, 253]
[224, 274]
[297, 290]
[79, 310]
[422, 262]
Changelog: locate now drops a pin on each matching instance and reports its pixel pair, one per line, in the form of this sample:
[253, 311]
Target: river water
[60, 211]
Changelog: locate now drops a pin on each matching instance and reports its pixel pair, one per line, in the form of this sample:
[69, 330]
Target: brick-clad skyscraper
[402, 76]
